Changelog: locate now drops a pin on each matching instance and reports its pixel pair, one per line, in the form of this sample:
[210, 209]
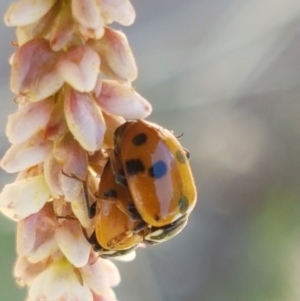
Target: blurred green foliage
[9, 290]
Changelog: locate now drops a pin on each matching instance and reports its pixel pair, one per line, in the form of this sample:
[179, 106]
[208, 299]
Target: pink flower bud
[84, 119]
[25, 12]
[35, 78]
[121, 99]
[117, 60]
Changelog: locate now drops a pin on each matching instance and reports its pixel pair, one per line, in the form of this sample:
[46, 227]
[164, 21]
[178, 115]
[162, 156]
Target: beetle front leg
[91, 208]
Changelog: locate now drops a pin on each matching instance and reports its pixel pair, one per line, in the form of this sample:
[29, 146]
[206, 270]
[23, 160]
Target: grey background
[226, 74]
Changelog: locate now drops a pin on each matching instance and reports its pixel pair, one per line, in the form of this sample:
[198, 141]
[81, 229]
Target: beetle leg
[91, 209]
[93, 241]
[187, 153]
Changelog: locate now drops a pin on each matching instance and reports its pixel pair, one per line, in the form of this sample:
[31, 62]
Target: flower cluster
[72, 77]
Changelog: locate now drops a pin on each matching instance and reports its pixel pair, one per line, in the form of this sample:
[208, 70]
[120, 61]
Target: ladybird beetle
[115, 233]
[118, 228]
[150, 161]
[146, 191]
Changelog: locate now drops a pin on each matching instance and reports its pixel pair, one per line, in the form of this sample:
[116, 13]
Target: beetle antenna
[179, 136]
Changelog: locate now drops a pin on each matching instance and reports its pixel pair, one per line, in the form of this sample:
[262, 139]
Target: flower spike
[72, 76]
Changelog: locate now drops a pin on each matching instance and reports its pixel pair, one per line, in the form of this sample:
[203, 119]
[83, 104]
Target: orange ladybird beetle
[155, 167]
[114, 232]
[146, 190]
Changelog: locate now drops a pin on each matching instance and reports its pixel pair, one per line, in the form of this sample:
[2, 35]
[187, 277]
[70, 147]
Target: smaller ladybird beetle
[151, 162]
[115, 233]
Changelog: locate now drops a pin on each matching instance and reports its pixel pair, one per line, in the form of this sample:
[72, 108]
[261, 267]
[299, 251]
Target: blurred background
[226, 73]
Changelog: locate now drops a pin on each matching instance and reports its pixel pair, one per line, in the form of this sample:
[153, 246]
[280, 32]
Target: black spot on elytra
[158, 169]
[183, 204]
[134, 166]
[110, 193]
[139, 139]
[180, 157]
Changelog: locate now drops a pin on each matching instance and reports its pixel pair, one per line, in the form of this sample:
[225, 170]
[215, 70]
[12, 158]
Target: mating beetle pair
[146, 191]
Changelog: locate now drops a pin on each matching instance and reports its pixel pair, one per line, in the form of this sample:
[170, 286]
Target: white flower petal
[84, 119]
[113, 272]
[57, 126]
[73, 157]
[76, 161]
[27, 11]
[122, 99]
[10, 213]
[117, 60]
[79, 208]
[28, 120]
[52, 172]
[39, 28]
[43, 251]
[62, 29]
[120, 11]
[79, 293]
[26, 272]
[26, 234]
[59, 282]
[73, 243]
[71, 187]
[35, 78]
[40, 284]
[24, 155]
[112, 122]
[100, 275]
[79, 67]
[94, 34]
[35, 235]
[28, 173]
[98, 86]
[108, 295]
[87, 13]
[25, 197]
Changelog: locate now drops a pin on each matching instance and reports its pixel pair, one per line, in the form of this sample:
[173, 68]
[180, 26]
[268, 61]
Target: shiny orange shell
[110, 221]
[157, 171]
